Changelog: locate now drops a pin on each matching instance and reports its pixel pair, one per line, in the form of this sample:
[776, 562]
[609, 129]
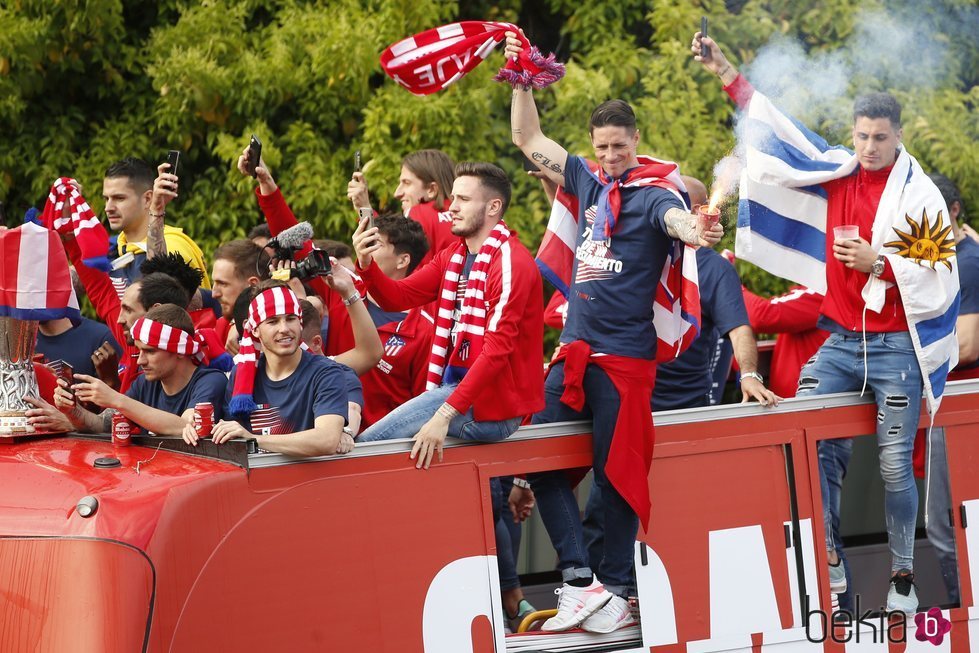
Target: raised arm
[715, 63]
[164, 192]
[418, 289]
[525, 129]
[367, 349]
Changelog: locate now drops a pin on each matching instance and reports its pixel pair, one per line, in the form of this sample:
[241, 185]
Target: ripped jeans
[894, 377]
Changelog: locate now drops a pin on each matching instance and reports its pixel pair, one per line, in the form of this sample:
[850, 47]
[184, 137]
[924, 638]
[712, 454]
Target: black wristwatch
[877, 268]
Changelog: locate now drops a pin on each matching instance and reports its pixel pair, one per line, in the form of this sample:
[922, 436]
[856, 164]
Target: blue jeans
[894, 377]
[834, 459]
[940, 533]
[507, 533]
[408, 418]
[555, 498]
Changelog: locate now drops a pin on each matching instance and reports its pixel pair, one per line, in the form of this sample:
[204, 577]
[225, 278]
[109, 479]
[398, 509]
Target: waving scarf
[434, 59]
[93, 240]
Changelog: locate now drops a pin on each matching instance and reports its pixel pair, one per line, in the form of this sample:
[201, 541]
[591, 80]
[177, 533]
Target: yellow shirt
[177, 242]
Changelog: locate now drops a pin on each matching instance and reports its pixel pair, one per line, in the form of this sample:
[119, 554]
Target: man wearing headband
[162, 400]
[289, 400]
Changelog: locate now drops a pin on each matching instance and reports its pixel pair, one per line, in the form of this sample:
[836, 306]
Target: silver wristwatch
[877, 268]
[353, 299]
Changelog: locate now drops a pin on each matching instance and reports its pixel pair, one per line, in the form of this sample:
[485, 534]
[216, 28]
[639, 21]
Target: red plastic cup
[204, 419]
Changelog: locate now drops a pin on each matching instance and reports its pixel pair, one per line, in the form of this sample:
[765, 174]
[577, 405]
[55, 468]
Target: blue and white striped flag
[782, 229]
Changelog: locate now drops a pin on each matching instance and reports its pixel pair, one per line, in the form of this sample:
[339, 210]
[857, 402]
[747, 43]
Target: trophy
[17, 378]
[34, 285]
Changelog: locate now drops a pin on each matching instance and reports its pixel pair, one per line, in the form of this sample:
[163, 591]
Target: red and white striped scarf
[280, 300]
[92, 238]
[436, 58]
[472, 321]
[163, 336]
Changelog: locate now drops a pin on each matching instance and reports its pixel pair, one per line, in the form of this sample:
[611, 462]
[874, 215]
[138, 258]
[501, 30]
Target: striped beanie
[272, 302]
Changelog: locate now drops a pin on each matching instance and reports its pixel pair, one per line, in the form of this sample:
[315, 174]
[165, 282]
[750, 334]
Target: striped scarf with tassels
[92, 238]
[472, 321]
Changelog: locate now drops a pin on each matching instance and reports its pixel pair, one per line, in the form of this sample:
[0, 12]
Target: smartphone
[254, 155]
[67, 372]
[529, 165]
[173, 158]
[704, 49]
[367, 212]
[357, 161]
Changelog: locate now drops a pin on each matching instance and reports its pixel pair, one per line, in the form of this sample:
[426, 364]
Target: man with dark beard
[485, 373]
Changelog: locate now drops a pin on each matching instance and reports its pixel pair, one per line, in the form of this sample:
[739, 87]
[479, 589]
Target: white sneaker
[575, 604]
[616, 614]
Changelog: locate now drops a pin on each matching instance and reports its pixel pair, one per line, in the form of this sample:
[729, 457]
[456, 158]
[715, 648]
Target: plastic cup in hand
[708, 218]
[847, 232]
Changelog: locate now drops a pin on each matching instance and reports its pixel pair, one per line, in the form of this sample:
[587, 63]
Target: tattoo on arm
[155, 244]
[547, 163]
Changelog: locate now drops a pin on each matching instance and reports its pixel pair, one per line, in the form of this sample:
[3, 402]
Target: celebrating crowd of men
[432, 327]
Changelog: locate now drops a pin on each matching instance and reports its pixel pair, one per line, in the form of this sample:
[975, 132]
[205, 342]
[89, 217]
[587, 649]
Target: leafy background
[86, 82]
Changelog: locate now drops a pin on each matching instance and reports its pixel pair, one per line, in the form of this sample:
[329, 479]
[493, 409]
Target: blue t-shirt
[318, 386]
[380, 317]
[686, 381]
[355, 389]
[614, 281]
[205, 385]
[454, 374]
[75, 346]
[967, 253]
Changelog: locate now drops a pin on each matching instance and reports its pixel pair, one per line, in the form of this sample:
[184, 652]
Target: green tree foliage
[86, 82]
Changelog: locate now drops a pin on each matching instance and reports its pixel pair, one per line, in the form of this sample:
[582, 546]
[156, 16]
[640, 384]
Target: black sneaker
[902, 597]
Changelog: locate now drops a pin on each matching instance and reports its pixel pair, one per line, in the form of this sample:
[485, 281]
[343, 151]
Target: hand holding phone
[254, 155]
[173, 158]
[704, 48]
[357, 161]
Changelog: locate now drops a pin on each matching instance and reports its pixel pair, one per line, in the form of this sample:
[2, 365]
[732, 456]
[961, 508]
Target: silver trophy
[17, 378]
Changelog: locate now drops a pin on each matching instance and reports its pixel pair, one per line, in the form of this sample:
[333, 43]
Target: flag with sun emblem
[782, 229]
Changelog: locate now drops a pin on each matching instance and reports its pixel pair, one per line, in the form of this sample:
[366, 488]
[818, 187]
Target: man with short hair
[203, 308]
[892, 290]
[128, 190]
[485, 371]
[290, 400]
[237, 265]
[162, 399]
[630, 215]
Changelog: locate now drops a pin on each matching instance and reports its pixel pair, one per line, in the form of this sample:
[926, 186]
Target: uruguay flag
[782, 229]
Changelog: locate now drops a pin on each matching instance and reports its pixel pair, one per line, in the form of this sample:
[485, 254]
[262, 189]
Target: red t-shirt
[851, 200]
[401, 373]
[793, 317]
